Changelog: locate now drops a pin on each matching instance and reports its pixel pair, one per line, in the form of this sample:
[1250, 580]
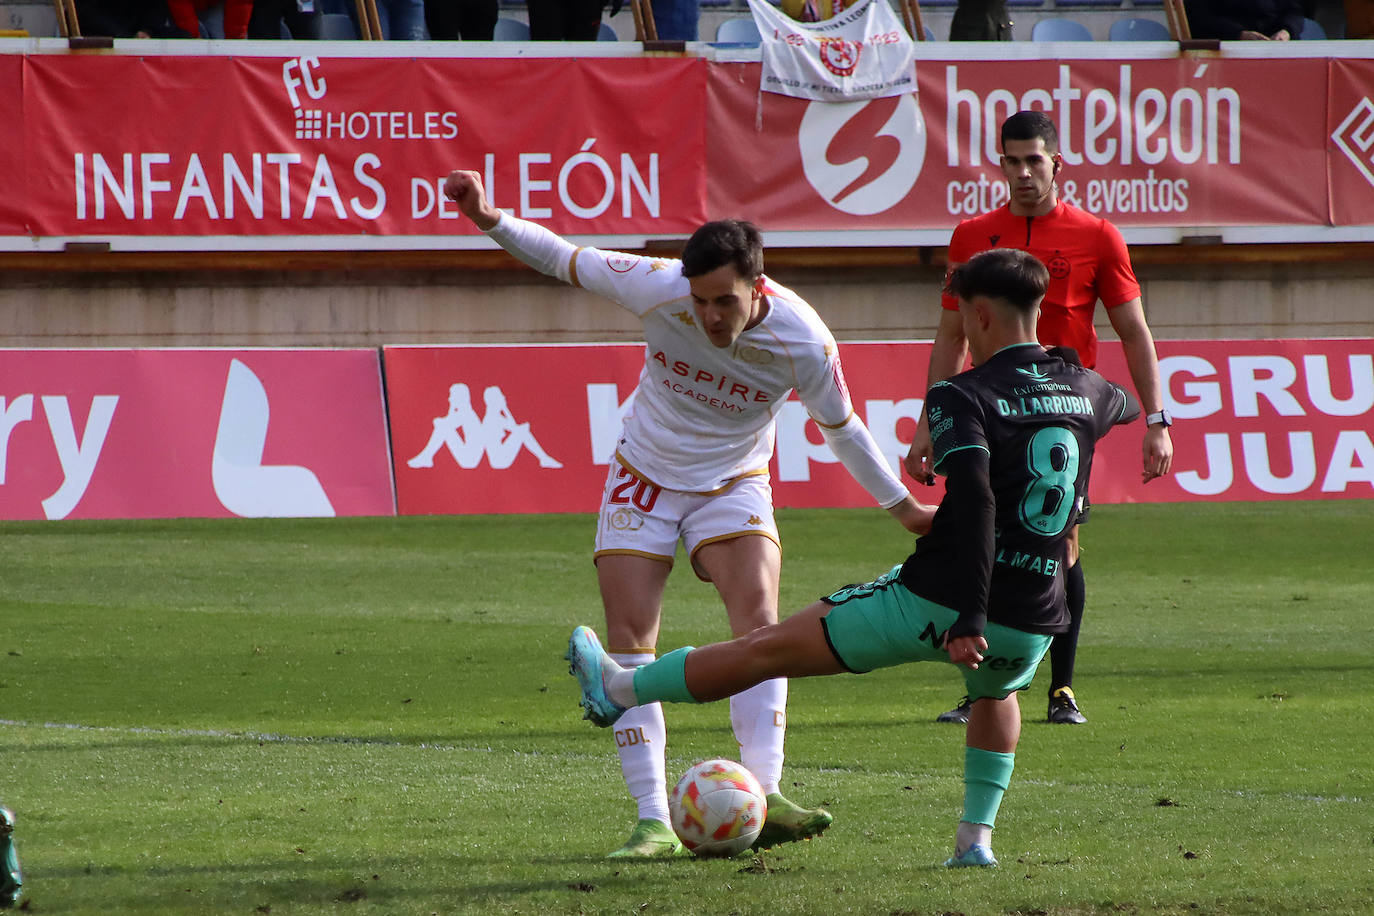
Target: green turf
[372, 716]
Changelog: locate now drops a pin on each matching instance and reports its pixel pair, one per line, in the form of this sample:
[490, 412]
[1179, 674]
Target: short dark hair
[1008, 274]
[1031, 125]
[724, 241]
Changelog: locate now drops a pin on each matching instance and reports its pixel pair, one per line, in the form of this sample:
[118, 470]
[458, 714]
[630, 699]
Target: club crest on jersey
[622, 263]
[1058, 266]
[1033, 373]
[756, 355]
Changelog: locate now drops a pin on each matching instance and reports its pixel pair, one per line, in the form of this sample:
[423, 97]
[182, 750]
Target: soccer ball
[718, 808]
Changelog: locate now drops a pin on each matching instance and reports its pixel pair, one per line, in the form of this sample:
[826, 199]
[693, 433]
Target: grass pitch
[372, 716]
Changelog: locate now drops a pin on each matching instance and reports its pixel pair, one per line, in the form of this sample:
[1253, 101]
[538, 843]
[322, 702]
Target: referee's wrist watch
[1162, 418]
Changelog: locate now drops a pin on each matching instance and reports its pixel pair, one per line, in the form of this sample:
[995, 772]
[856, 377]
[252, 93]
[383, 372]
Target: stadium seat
[510, 30]
[606, 33]
[1057, 29]
[1312, 31]
[337, 27]
[739, 31]
[1137, 29]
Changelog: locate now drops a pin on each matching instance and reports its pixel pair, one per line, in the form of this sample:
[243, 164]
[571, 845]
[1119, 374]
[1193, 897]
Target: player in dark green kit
[1014, 438]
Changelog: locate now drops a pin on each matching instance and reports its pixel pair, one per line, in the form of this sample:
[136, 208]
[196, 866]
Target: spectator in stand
[186, 15]
[1245, 20]
[565, 20]
[127, 19]
[302, 17]
[1359, 18]
[980, 20]
[675, 20]
[470, 20]
[404, 20]
[814, 10]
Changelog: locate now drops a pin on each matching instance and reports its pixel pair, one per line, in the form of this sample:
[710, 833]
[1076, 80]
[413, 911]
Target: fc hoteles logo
[840, 56]
[863, 157]
[299, 73]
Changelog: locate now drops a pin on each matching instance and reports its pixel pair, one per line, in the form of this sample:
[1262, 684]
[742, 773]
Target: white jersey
[704, 416]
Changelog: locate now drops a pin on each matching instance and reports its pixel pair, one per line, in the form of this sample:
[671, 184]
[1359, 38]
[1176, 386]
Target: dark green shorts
[883, 623]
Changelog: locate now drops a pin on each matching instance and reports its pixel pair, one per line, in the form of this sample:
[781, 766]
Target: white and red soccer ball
[718, 808]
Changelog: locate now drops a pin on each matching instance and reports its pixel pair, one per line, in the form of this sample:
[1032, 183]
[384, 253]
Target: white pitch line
[261, 737]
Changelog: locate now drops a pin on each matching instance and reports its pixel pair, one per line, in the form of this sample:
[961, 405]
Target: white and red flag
[863, 52]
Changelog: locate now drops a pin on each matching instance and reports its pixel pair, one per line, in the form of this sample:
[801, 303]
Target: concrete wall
[358, 300]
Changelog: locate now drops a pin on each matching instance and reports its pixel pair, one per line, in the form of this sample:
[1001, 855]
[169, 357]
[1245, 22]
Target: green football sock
[986, 776]
[664, 680]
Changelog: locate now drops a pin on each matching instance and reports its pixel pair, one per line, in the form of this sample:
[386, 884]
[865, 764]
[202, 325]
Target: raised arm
[465, 189]
[1128, 320]
[545, 251]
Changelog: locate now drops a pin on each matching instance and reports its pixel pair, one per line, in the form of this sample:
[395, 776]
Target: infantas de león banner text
[334, 147]
[338, 146]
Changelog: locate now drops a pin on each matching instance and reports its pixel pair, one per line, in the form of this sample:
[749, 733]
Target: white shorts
[641, 519]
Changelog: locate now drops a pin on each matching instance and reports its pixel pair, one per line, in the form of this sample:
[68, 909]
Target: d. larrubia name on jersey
[1014, 438]
[703, 416]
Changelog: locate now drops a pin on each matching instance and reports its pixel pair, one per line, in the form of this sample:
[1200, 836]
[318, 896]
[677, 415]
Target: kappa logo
[469, 438]
[863, 157]
[1355, 137]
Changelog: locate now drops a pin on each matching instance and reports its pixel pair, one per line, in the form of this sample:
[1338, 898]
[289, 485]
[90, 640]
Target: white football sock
[759, 718]
[620, 684]
[640, 736]
[970, 834]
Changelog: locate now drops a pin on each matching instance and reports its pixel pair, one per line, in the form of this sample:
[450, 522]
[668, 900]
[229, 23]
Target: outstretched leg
[994, 728]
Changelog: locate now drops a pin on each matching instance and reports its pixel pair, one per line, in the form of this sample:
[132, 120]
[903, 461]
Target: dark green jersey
[1014, 439]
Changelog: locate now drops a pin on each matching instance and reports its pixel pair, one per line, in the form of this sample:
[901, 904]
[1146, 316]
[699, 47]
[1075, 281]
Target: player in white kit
[725, 347]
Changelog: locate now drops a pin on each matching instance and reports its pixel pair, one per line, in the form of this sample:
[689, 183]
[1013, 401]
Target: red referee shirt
[1086, 257]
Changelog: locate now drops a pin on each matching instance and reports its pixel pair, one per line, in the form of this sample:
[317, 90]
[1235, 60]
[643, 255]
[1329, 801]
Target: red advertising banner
[1254, 420]
[481, 429]
[1176, 142]
[359, 147]
[533, 428]
[12, 159]
[351, 151]
[1351, 129]
[198, 433]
